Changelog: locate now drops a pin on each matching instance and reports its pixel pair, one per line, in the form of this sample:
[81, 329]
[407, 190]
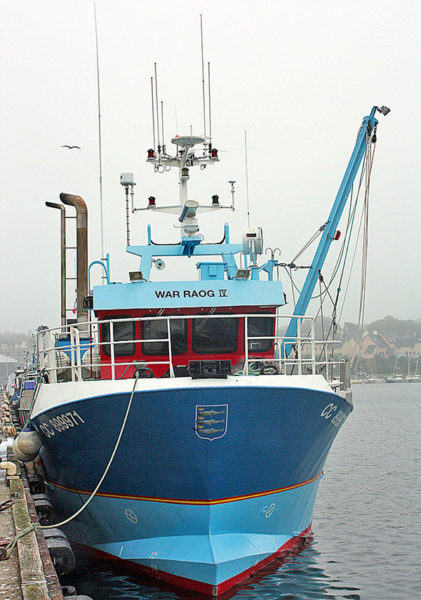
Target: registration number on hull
[61, 423]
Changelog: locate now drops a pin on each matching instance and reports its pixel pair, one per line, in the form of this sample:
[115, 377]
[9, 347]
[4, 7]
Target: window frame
[162, 319]
[106, 343]
[271, 342]
[224, 351]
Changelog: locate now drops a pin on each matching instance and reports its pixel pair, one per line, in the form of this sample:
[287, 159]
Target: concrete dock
[26, 569]
[28, 573]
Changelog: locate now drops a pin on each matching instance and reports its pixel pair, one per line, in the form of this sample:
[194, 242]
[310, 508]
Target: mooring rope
[107, 468]
[5, 552]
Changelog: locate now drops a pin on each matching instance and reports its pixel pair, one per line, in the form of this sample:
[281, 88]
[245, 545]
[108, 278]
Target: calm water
[367, 521]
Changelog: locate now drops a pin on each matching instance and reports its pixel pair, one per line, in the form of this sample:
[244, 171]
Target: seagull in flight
[71, 147]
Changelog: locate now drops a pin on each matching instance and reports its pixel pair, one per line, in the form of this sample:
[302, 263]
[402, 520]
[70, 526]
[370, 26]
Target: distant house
[409, 346]
[350, 348]
[376, 344]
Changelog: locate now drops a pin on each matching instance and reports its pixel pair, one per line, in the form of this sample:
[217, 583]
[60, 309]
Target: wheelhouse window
[122, 330]
[156, 329]
[260, 326]
[214, 336]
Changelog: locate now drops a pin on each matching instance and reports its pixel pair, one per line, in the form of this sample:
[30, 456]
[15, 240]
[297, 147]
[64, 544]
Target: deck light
[136, 275]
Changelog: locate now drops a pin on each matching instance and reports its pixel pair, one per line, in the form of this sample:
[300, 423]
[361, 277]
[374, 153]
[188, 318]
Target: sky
[297, 76]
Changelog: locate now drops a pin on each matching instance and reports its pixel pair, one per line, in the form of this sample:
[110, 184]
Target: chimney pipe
[63, 257]
[81, 250]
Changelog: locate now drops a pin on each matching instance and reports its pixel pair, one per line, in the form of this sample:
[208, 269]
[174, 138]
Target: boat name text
[222, 293]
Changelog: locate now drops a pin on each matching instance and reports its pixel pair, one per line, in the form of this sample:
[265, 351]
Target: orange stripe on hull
[190, 502]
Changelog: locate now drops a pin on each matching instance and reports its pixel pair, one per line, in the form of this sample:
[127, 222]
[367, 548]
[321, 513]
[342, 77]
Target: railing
[72, 352]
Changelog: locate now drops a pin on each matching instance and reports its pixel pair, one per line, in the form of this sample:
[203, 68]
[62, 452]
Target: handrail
[51, 352]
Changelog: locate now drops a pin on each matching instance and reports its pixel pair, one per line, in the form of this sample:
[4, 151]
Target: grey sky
[298, 76]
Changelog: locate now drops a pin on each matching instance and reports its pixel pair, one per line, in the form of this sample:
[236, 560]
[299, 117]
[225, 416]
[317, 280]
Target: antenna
[247, 180]
[153, 115]
[99, 139]
[203, 78]
[209, 105]
[162, 124]
[157, 111]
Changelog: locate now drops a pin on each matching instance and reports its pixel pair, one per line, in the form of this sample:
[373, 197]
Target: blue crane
[365, 136]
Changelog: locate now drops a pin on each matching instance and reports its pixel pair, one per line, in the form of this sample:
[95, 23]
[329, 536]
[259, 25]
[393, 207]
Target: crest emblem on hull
[211, 421]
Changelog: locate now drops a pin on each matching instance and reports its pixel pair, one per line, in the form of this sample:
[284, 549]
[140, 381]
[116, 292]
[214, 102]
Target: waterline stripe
[189, 502]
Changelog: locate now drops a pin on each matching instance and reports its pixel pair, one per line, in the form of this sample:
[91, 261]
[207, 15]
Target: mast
[364, 137]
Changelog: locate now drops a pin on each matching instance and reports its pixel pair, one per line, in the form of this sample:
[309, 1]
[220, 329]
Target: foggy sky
[298, 76]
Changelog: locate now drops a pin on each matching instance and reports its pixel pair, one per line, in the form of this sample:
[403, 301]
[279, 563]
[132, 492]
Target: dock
[26, 568]
[28, 573]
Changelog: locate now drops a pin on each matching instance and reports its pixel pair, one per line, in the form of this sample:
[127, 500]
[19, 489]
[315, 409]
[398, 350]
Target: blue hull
[199, 505]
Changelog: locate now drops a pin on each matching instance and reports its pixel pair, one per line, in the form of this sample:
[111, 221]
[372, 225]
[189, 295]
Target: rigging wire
[293, 286]
[347, 237]
[364, 260]
[352, 265]
[364, 176]
[310, 241]
[321, 313]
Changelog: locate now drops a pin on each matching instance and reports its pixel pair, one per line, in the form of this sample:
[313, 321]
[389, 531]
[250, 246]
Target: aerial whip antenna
[153, 114]
[247, 180]
[162, 126]
[99, 139]
[157, 110]
[209, 105]
[203, 78]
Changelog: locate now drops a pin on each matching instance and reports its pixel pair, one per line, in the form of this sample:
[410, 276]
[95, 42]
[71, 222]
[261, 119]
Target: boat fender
[43, 507]
[9, 466]
[28, 443]
[9, 430]
[19, 455]
[61, 554]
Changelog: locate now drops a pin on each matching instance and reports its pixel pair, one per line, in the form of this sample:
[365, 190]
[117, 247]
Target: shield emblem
[211, 421]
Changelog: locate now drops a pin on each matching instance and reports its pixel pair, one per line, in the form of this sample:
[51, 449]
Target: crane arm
[363, 139]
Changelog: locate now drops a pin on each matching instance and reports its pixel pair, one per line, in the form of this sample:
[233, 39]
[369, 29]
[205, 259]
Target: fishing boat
[185, 424]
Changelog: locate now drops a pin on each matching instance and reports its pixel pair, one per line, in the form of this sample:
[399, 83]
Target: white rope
[364, 259]
[352, 266]
[91, 497]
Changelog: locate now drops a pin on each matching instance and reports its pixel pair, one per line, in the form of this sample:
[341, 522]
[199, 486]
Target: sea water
[366, 542]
